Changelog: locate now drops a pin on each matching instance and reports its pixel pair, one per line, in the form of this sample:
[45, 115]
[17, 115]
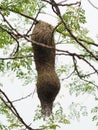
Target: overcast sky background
[14, 89]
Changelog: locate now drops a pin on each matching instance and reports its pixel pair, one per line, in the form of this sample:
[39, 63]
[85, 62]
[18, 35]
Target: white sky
[14, 89]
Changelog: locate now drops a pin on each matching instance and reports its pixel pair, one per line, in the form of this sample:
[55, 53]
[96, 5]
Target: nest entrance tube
[48, 84]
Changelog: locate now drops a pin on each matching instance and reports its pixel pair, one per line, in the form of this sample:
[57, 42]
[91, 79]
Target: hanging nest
[48, 84]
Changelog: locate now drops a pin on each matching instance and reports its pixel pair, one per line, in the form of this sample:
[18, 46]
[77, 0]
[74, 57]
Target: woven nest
[48, 84]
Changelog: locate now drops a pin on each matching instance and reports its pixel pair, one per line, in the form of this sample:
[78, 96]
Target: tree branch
[80, 76]
[92, 4]
[24, 15]
[76, 3]
[10, 105]
[21, 98]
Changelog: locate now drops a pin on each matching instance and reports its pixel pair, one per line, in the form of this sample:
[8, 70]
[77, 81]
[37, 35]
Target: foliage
[94, 111]
[52, 122]
[74, 17]
[23, 6]
[5, 38]
[76, 110]
[3, 127]
[12, 119]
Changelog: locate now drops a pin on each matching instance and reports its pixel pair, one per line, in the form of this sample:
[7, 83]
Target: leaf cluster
[76, 110]
[23, 6]
[5, 38]
[94, 111]
[13, 122]
[73, 17]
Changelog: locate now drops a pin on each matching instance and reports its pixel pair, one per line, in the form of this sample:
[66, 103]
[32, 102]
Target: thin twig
[76, 3]
[18, 57]
[21, 98]
[92, 4]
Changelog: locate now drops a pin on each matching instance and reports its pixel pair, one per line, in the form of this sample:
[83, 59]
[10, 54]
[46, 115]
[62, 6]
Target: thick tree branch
[10, 105]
